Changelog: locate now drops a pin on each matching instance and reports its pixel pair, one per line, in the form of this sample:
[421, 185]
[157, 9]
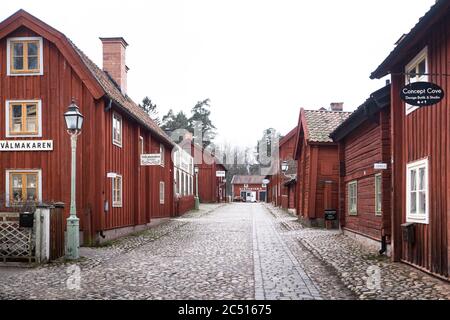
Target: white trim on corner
[39, 113]
[8, 56]
[8, 171]
[418, 218]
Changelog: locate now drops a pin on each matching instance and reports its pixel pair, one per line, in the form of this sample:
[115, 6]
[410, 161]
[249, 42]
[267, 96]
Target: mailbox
[26, 220]
[330, 215]
[408, 232]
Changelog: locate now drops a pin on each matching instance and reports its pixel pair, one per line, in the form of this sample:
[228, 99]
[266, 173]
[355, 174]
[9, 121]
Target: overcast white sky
[258, 61]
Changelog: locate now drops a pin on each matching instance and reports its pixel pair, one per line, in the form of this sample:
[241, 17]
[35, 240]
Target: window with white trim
[161, 192]
[24, 56]
[23, 186]
[353, 198]
[378, 194]
[162, 153]
[117, 129]
[141, 144]
[23, 118]
[117, 191]
[416, 70]
[417, 192]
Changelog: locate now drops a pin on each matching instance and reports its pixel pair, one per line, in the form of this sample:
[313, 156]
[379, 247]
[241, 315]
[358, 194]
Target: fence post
[42, 217]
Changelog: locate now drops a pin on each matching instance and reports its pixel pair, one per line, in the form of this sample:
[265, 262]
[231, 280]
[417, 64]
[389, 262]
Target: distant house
[281, 191]
[421, 149]
[41, 72]
[183, 180]
[318, 163]
[364, 150]
[211, 181]
[248, 188]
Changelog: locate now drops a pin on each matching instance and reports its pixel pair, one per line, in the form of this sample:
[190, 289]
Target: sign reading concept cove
[421, 94]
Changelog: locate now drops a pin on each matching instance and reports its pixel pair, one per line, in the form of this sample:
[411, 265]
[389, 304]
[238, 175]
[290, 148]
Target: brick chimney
[114, 50]
[337, 106]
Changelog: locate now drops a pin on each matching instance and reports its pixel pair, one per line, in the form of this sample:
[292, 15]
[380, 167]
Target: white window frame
[141, 145]
[116, 142]
[378, 212]
[8, 56]
[9, 171]
[423, 54]
[349, 185]
[162, 192]
[39, 115]
[162, 151]
[417, 217]
[117, 204]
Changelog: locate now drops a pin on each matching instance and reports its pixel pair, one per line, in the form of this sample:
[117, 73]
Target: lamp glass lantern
[74, 118]
[284, 166]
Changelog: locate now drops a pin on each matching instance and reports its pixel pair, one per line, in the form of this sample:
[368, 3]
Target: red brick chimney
[337, 106]
[114, 50]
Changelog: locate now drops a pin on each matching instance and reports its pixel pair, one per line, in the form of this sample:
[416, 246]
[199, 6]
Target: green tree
[151, 109]
[174, 121]
[201, 123]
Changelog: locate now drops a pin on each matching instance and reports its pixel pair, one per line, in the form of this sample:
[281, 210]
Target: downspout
[383, 245]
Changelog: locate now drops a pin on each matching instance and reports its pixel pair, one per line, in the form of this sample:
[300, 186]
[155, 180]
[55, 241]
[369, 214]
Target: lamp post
[74, 123]
[197, 200]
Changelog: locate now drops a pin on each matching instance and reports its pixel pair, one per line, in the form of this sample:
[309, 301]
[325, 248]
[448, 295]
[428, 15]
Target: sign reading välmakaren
[26, 145]
[151, 159]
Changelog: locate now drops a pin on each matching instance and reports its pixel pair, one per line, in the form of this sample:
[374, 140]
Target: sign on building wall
[26, 145]
[151, 159]
[421, 94]
[220, 174]
[380, 166]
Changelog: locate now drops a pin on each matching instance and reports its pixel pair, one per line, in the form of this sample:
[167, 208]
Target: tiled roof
[321, 123]
[113, 91]
[247, 179]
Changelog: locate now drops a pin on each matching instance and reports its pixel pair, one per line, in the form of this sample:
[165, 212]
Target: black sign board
[330, 215]
[422, 94]
[26, 220]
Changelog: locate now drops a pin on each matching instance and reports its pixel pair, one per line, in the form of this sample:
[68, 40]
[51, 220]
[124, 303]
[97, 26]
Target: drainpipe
[383, 245]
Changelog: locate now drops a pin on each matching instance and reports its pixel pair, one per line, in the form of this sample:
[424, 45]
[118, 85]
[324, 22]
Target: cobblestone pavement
[235, 251]
[362, 271]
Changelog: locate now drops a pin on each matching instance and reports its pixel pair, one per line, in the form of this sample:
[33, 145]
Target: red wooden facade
[318, 164]
[281, 189]
[364, 140]
[67, 74]
[252, 184]
[211, 189]
[422, 135]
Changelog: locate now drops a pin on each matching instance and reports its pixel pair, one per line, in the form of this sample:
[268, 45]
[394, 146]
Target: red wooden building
[364, 193]
[281, 191]
[41, 71]
[420, 144]
[318, 163]
[248, 188]
[211, 181]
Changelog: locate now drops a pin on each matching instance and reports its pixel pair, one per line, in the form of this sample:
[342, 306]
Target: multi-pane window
[141, 144]
[23, 187]
[24, 56]
[417, 70]
[353, 198]
[417, 192]
[117, 191]
[161, 192]
[23, 118]
[117, 129]
[378, 194]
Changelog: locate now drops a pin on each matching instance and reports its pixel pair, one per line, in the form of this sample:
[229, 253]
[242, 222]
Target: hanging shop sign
[151, 159]
[266, 181]
[421, 94]
[26, 145]
[330, 215]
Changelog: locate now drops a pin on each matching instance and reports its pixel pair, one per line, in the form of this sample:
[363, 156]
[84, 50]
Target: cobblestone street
[233, 252]
[236, 251]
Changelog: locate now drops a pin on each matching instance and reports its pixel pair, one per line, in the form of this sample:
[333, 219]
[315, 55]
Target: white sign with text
[151, 159]
[26, 145]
